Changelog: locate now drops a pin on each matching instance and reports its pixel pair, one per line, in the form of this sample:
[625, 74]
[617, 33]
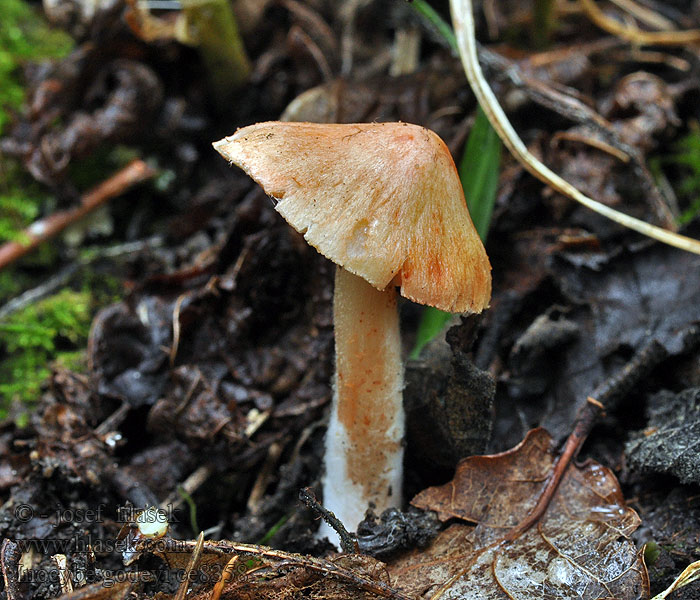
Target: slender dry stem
[463, 20]
[135, 172]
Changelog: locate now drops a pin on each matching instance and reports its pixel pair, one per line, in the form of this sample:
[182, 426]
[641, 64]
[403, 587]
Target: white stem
[364, 451]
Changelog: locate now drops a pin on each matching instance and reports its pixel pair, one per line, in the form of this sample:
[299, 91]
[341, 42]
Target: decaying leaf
[610, 309]
[671, 441]
[579, 549]
[449, 404]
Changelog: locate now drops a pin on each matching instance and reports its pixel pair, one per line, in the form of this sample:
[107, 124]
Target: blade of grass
[191, 505]
[690, 574]
[432, 322]
[436, 21]
[478, 171]
[273, 530]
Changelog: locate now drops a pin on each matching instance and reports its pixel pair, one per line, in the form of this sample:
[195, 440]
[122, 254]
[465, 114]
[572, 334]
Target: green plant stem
[191, 505]
[543, 22]
[220, 44]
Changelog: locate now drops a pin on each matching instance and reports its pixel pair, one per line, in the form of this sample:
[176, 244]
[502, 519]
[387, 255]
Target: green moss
[20, 200]
[104, 287]
[682, 169]
[75, 361]
[53, 329]
[9, 285]
[688, 156]
[651, 553]
[24, 35]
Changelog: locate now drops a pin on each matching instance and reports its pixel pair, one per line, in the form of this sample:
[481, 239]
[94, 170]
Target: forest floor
[174, 348]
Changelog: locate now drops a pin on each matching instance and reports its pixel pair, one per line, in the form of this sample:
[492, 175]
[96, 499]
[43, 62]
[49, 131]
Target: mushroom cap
[382, 200]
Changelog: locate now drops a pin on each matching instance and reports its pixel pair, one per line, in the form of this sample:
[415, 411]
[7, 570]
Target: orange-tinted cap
[382, 200]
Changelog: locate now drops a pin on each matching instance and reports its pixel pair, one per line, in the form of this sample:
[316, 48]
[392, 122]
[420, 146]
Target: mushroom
[384, 202]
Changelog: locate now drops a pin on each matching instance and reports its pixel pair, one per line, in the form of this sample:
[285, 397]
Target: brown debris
[130, 93]
[216, 367]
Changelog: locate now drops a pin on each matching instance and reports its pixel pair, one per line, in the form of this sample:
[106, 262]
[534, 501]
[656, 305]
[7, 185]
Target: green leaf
[432, 322]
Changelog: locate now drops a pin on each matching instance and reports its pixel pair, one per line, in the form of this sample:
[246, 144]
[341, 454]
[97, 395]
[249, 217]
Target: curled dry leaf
[579, 549]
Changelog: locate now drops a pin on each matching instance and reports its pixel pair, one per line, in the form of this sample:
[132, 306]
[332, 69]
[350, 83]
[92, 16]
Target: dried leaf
[579, 549]
[689, 575]
[616, 307]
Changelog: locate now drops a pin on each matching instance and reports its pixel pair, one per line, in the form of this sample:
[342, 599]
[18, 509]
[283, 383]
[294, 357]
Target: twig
[194, 561]
[606, 396]
[348, 543]
[226, 575]
[135, 172]
[265, 474]
[463, 20]
[298, 36]
[10, 555]
[61, 278]
[113, 421]
[190, 485]
[644, 14]
[64, 575]
[41, 291]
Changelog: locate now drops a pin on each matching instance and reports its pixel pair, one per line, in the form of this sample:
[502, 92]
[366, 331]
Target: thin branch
[463, 20]
[605, 397]
[645, 15]
[41, 231]
[60, 279]
[347, 541]
[194, 561]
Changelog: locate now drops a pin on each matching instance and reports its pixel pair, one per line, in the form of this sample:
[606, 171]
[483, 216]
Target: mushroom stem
[364, 451]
